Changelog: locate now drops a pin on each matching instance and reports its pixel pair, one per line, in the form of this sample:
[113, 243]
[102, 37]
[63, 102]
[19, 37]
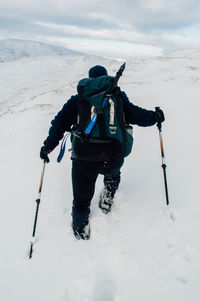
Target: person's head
[97, 71]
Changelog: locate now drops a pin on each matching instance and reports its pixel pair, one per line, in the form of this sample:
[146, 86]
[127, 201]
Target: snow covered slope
[15, 49]
[137, 252]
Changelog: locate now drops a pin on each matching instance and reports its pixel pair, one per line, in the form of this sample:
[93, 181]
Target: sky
[114, 28]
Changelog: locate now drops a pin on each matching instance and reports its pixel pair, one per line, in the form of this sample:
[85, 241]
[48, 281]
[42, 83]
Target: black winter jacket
[67, 117]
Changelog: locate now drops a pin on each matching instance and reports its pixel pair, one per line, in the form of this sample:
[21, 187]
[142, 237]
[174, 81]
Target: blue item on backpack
[94, 119]
[62, 147]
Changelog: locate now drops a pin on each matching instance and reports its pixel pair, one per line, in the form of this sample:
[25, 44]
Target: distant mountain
[15, 49]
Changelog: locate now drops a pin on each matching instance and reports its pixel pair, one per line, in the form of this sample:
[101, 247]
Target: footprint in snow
[105, 290]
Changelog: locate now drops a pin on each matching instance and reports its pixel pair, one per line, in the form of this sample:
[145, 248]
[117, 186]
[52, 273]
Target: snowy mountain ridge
[135, 253]
[16, 49]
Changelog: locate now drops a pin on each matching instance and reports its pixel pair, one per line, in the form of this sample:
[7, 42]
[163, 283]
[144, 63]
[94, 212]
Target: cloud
[93, 33]
[112, 49]
[156, 25]
[136, 13]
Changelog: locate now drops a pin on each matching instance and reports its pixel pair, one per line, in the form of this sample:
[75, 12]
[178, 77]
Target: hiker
[97, 148]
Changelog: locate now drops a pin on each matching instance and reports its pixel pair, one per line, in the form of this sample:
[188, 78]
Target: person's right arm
[61, 123]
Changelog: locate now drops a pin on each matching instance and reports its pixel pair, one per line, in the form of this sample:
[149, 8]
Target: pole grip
[159, 124]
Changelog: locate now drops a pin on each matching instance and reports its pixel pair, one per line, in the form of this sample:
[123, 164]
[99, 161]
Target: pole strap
[62, 147]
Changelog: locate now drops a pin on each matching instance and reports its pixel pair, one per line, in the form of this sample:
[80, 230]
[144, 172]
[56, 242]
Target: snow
[15, 49]
[138, 252]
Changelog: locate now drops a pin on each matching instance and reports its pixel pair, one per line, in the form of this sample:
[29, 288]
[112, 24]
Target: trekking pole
[37, 209]
[159, 125]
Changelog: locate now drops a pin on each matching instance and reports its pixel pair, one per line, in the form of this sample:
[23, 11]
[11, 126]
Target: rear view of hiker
[99, 119]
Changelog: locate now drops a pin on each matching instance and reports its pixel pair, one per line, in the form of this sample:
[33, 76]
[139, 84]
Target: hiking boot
[106, 201]
[83, 232]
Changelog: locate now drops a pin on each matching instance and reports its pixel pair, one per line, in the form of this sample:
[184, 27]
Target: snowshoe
[106, 201]
[82, 233]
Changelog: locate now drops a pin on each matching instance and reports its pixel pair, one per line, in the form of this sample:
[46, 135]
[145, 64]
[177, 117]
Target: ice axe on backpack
[117, 77]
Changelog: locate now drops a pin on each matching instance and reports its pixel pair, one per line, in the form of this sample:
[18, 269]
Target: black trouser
[84, 176]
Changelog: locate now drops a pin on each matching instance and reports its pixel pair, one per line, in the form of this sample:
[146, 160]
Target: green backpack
[101, 120]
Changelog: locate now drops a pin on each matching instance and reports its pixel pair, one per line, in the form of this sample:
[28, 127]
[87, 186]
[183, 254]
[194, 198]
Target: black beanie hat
[97, 71]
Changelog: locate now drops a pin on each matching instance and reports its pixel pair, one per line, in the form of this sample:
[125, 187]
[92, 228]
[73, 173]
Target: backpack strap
[112, 112]
[101, 122]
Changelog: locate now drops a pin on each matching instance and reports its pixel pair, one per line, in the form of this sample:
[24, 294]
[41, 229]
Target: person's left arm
[139, 116]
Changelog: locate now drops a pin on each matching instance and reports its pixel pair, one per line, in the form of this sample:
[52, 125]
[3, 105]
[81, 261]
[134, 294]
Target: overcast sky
[113, 28]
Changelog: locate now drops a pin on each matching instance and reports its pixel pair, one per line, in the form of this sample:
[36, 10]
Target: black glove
[160, 115]
[44, 154]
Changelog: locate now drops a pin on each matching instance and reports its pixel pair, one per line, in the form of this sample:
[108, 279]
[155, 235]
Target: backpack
[101, 132]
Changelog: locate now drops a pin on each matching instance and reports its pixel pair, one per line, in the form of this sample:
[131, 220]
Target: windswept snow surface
[15, 49]
[142, 250]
